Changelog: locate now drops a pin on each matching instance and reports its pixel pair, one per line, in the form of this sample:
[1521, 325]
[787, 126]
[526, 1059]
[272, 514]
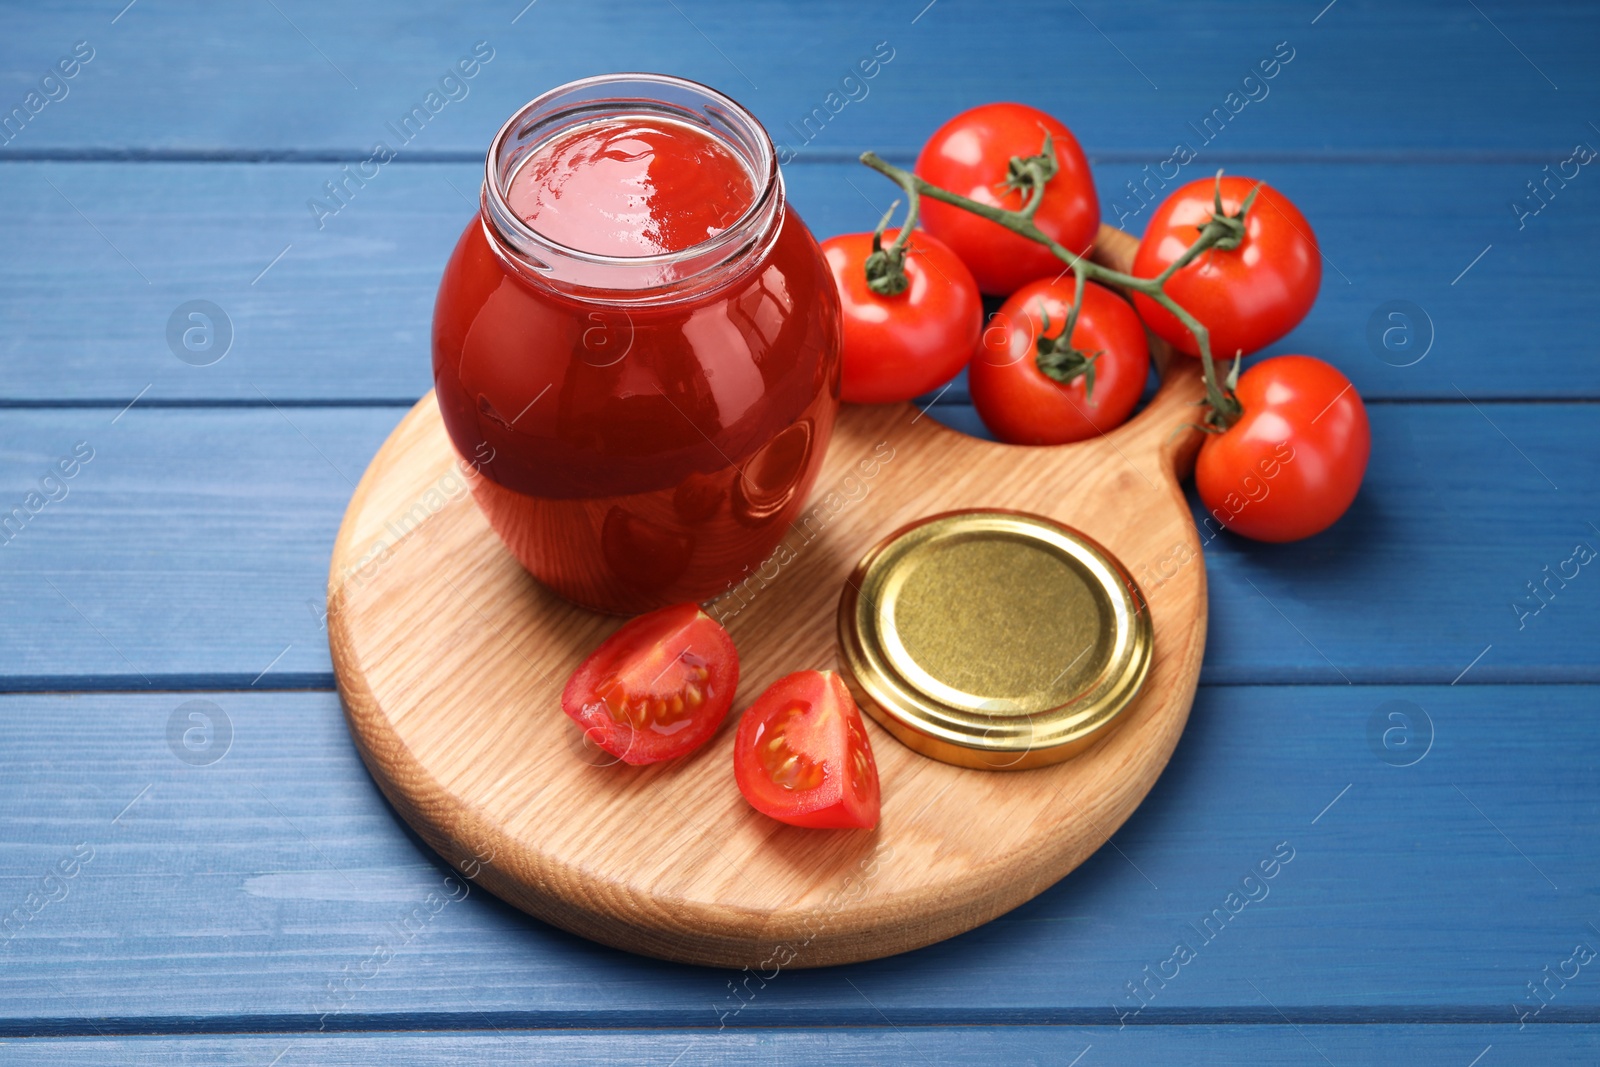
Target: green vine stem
[1031, 174]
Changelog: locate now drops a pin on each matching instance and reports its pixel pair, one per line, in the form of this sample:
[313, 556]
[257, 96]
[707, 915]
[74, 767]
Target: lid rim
[966, 736]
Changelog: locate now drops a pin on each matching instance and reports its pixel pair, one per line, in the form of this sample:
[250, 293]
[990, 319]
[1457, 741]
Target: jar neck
[632, 279]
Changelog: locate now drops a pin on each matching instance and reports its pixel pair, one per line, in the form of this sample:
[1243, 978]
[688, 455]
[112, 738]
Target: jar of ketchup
[637, 343]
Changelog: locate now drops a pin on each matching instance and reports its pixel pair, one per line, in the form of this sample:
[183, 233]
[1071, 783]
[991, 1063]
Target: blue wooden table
[1406, 704]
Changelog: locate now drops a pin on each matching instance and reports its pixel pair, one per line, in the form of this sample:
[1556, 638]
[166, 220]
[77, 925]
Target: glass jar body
[634, 452]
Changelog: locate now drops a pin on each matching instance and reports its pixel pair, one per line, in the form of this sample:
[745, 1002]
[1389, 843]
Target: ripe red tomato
[1020, 403]
[658, 687]
[970, 155]
[802, 755]
[901, 346]
[1292, 463]
[1247, 297]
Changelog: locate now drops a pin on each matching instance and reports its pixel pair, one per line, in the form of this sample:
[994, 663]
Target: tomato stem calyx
[1030, 174]
[1230, 227]
[1066, 365]
[1222, 403]
[886, 267]
[1056, 357]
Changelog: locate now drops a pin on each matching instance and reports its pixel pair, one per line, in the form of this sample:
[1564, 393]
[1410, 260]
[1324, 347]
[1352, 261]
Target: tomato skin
[656, 688]
[1293, 462]
[969, 155]
[1020, 403]
[806, 728]
[1247, 297]
[901, 346]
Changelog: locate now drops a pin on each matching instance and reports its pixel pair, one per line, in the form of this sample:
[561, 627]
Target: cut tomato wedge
[802, 755]
[657, 688]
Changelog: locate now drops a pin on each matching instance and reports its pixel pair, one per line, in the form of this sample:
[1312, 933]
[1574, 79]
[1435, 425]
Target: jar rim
[751, 144]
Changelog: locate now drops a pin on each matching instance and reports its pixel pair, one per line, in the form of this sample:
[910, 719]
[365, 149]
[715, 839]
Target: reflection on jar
[646, 556]
[771, 476]
[699, 497]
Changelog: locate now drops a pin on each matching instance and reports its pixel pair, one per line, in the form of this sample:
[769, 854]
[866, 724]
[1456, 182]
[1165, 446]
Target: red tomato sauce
[631, 187]
[638, 450]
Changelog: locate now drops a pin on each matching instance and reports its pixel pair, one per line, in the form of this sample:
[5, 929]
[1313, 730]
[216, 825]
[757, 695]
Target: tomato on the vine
[1023, 403]
[802, 755]
[656, 688]
[1292, 463]
[970, 155]
[1246, 296]
[897, 347]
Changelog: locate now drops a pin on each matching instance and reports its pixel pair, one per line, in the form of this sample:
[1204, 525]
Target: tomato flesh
[1294, 461]
[1022, 405]
[656, 688]
[803, 758]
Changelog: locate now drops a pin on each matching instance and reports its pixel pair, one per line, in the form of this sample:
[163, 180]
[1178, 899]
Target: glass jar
[647, 427]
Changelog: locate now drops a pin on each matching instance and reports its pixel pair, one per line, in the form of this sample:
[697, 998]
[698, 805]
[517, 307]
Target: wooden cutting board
[451, 660]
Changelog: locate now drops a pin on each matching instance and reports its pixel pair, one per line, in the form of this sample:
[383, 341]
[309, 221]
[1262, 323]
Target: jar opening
[647, 277]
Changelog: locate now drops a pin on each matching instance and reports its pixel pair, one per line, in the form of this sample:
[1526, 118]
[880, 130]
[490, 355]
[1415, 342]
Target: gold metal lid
[993, 639]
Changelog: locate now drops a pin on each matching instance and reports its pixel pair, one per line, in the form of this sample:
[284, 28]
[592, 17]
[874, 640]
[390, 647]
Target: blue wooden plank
[297, 75]
[189, 551]
[191, 542]
[252, 878]
[343, 312]
[1391, 581]
[192, 551]
[1223, 1046]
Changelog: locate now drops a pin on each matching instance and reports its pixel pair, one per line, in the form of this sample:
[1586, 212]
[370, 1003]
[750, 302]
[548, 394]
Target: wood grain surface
[451, 659]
